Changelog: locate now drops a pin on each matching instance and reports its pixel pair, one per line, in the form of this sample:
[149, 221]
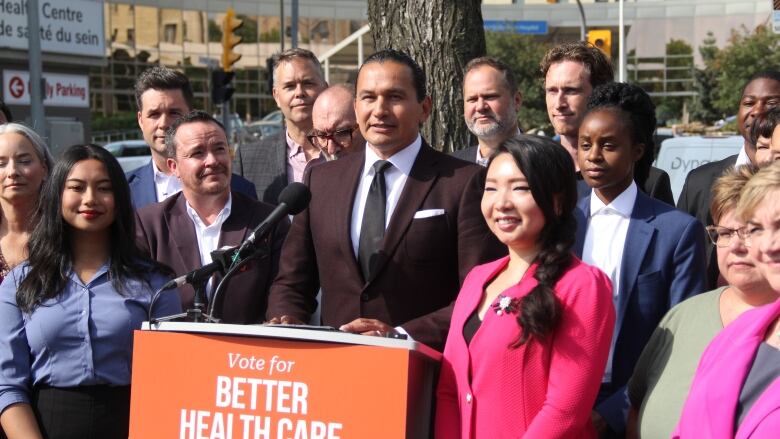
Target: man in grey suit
[491, 101]
[278, 160]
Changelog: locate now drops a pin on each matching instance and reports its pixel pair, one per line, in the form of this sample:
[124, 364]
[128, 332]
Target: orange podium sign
[201, 380]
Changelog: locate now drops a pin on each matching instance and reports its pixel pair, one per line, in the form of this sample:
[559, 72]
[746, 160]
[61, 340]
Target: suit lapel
[740, 362]
[142, 188]
[182, 232]
[343, 201]
[582, 214]
[767, 403]
[640, 234]
[235, 228]
[418, 184]
[281, 154]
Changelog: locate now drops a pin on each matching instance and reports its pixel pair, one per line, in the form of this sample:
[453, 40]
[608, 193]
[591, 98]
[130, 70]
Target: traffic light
[602, 39]
[230, 40]
[221, 90]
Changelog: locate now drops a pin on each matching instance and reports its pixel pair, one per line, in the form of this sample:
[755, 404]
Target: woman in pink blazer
[736, 389]
[530, 333]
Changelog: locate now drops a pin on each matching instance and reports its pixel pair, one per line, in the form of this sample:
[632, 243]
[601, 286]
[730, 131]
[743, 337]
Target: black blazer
[695, 199]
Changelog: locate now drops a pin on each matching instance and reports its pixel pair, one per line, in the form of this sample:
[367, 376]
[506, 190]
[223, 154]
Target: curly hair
[549, 170]
[636, 104]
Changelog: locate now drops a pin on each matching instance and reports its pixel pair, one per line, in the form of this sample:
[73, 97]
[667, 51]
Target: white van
[679, 155]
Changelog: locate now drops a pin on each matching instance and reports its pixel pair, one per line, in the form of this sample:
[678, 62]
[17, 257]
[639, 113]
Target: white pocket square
[428, 213]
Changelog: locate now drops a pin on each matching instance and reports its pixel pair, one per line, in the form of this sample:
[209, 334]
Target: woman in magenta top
[530, 333]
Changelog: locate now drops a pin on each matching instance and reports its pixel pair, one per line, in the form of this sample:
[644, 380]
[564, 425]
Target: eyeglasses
[722, 236]
[342, 137]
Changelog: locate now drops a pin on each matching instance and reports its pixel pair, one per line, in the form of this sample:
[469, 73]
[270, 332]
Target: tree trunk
[442, 36]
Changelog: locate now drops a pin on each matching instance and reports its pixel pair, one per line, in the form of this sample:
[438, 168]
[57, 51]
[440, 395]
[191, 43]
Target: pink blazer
[538, 390]
[710, 409]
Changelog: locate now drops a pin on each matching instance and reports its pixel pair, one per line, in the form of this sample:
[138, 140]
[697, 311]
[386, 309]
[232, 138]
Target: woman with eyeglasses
[736, 389]
[662, 377]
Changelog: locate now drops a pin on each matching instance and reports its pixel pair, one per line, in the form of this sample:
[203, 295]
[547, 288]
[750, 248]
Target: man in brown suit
[183, 230]
[391, 231]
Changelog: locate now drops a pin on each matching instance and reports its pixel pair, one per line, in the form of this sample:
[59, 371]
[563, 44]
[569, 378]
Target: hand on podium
[285, 320]
[368, 327]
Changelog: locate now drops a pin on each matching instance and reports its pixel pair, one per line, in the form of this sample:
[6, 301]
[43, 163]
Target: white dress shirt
[165, 185]
[395, 179]
[742, 158]
[605, 240]
[208, 235]
[481, 161]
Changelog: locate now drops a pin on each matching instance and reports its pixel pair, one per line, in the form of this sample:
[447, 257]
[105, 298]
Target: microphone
[292, 200]
[197, 275]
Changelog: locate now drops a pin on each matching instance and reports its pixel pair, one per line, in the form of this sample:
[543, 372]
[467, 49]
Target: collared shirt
[483, 161]
[296, 160]
[81, 337]
[742, 158]
[605, 240]
[395, 179]
[165, 185]
[208, 235]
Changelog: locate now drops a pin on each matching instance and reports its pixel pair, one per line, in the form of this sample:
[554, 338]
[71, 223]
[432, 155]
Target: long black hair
[638, 109]
[50, 250]
[549, 171]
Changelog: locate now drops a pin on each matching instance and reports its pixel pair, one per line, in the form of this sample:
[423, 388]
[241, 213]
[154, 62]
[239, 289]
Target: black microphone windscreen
[296, 196]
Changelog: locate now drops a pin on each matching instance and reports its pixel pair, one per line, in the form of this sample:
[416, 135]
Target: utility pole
[294, 24]
[282, 28]
[37, 115]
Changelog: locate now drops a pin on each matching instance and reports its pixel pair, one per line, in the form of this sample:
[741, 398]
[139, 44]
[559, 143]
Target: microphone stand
[239, 260]
[197, 313]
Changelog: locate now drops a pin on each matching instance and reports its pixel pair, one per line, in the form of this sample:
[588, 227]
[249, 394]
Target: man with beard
[761, 92]
[183, 230]
[278, 160]
[490, 105]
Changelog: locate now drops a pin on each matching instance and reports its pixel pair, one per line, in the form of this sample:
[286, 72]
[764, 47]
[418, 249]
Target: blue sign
[518, 27]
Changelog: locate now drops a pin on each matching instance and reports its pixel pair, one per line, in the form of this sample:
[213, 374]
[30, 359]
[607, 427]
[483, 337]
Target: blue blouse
[82, 337]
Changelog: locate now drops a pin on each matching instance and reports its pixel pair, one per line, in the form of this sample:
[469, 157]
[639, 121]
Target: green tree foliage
[706, 83]
[523, 53]
[747, 53]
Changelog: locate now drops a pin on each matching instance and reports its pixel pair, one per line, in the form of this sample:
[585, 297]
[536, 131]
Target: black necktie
[372, 229]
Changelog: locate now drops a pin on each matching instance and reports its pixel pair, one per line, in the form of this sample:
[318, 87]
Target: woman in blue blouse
[67, 315]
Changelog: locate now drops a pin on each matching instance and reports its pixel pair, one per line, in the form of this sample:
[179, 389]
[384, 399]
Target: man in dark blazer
[162, 96]
[434, 233]
[278, 160]
[182, 231]
[761, 92]
[491, 101]
[571, 71]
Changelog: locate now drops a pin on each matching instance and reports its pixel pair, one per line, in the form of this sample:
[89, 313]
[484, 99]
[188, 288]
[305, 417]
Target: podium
[205, 380]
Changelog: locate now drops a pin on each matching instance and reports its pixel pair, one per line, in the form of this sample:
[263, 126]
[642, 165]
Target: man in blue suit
[164, 95]
[653, 253]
